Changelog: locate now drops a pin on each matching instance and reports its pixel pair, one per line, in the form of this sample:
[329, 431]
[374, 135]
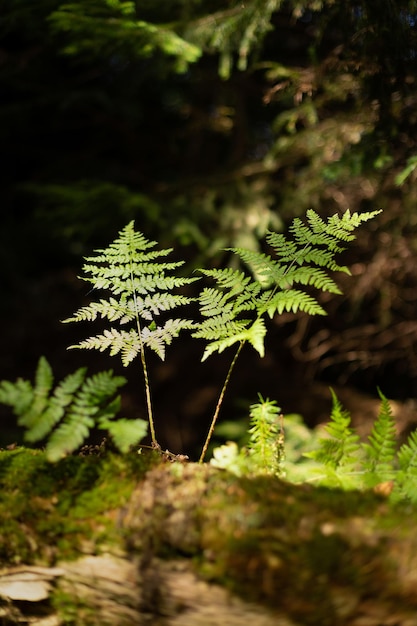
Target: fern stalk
[220, 402]
[144, 366]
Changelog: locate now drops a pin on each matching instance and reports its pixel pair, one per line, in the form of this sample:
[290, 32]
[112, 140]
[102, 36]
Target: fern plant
[233, 310]
[142, 285]
[64, 415]
[343, 461]
[340, 451]
[264, 453]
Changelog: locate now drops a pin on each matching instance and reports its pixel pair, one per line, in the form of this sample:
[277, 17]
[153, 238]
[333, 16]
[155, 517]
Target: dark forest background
[209, 122]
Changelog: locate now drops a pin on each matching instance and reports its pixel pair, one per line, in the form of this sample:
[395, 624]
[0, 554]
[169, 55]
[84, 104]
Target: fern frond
[67, 414]
[229, 278]
[256, 261]
[231, 333]
[266, 439]
[57, 404]
[91, 402]
[43, 384]
[215, 302]
[378, 465]
[406, 479]
[17, 395]
[313, 276]
[111, 309]
[124, 432]
[340, 452]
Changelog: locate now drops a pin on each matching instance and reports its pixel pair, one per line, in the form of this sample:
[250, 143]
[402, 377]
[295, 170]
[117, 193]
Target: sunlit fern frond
[305, 258]
[141, 284]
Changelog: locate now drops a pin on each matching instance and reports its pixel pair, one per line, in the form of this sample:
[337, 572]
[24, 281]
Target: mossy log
[134, 541]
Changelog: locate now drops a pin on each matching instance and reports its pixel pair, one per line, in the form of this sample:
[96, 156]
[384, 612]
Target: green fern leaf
[380, 452]
[339, 454]
[291, 300]
[43, 384]
[18, 395]
[57, 404]
[65, 416]
[266, 439]
[92, 402]
[140, 283]
[406, 478]
[124, 432]
[123, 341]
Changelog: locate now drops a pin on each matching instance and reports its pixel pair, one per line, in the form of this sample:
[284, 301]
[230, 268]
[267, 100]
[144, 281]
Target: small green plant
[66, 414]
[264, 453]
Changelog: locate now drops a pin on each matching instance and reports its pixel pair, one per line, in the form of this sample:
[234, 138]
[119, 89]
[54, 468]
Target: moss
[48, 509]
[72, 611]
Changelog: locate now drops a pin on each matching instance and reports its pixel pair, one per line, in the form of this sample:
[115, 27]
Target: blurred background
[209, 122]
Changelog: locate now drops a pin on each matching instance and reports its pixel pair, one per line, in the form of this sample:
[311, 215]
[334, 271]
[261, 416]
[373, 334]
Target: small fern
[233, 311]
[379, 462]
[406, 479]
[141, 284]
[339, 453]
[264, 453]
[65, 415]
[266, 437]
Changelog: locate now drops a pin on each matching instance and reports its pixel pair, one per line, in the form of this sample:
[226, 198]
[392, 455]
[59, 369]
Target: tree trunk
[131, 541]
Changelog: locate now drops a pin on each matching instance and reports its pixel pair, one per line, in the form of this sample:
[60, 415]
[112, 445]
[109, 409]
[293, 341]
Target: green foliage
[234, 32]
[339, 452]
[65, 415]
[345, 462]
[305, 259]
[141, 286]
[336, 460]
[264, 453]
[266, 437]
[98, 27]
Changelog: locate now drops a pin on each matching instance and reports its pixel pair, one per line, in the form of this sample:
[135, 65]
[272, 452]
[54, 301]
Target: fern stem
[144, 369]
[220, 402]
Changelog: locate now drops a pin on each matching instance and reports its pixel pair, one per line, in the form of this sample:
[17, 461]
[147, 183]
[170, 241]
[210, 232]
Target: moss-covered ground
[47, 510]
